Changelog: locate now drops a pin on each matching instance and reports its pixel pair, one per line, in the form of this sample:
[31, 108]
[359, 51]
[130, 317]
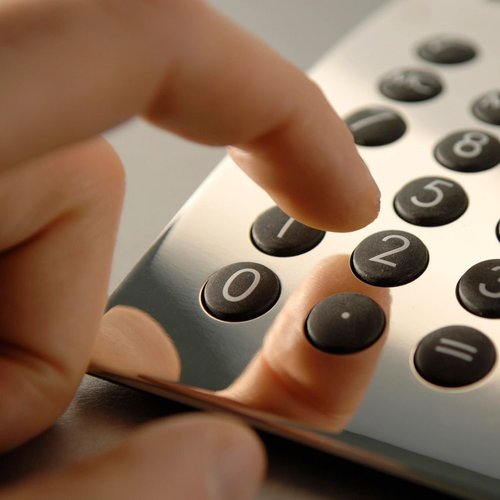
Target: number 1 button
[389, 258]
[275, 233]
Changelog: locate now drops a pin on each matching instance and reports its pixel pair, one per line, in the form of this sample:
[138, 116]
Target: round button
[345, 323]
[454, 356]
[487, 107]
[410, 85]
[498, 230]
[468, 151]
[240, 291]
[445, 49]
[479, 289]
[389, 258]
[431, 201]
[275, 233]
[375, 126]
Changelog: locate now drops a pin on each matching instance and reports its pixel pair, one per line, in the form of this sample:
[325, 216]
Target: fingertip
[131, 343]
[294, 379]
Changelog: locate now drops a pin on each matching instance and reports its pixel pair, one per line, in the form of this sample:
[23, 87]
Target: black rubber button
[389, 258]
[445, 49]
[487, 107]
[345, 323]
[375, 126]
[498, 230]
[275, 233]
[241, 291]
[468, 151]
[479, 289]
[431, 201]
[410, 85]
[454, 356]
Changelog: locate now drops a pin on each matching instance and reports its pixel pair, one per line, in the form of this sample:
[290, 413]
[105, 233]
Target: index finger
[74, 69]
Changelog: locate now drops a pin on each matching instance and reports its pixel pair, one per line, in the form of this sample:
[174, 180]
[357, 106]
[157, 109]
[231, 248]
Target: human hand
[70, 71]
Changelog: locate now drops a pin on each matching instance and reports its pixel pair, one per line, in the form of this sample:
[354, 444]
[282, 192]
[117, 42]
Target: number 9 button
[389, 258]
[431, 201]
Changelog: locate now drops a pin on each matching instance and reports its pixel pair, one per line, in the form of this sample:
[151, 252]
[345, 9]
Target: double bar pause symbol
[457, 349]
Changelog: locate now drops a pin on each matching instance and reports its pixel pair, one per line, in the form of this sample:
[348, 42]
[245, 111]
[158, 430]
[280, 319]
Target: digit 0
[247, 292]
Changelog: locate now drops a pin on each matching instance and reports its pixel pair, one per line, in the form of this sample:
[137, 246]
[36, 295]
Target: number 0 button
[468, 151]
[431, 201]
[479, 289]
[241, 291]
[389, 258]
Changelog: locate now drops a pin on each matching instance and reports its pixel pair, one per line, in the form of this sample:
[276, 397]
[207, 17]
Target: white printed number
[380, 258]
[247, 292]
[432, 186]
[470, 145]
[484, 291]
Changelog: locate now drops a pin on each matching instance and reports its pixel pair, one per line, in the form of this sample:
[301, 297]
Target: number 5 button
[389, 258]
[431, 201]
[479, 289]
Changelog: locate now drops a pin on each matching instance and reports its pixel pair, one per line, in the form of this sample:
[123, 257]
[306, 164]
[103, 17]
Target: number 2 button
[389, 258]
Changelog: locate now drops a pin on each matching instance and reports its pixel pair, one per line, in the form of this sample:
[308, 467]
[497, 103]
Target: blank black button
[345, 323]
[375, 126]
[468, 151]
[487, 107]
[275, 233]
[431, 201]
[454, 356]
[241, 291]
[446, 50]
[389, 258]
[410, 85]
[479, 289]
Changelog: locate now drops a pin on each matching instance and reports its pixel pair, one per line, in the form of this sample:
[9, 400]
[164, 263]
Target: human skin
[70, 71]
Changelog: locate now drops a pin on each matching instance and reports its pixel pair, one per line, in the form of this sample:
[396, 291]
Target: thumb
[198, 457]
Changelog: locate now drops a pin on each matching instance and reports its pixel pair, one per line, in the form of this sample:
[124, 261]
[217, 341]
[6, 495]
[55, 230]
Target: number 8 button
[431, 201]
[389, 258]
[468, 151]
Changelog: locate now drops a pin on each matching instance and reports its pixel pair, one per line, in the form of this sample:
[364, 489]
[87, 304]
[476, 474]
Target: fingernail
[238, 465]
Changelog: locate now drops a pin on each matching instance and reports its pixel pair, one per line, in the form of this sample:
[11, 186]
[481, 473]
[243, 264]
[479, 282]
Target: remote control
[418, 84]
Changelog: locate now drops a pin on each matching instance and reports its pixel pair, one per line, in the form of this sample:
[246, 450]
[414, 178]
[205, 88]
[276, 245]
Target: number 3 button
[389, 258]
[479, 289]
